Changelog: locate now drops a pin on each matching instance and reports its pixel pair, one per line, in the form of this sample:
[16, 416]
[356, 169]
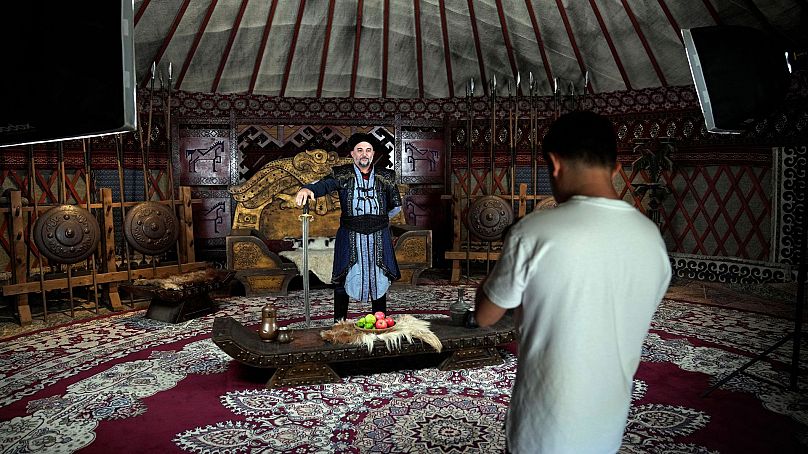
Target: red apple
[381, 324]
[379, 315]
[390, 321]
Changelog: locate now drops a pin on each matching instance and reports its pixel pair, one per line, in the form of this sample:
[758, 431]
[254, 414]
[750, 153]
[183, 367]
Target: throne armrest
[248, 232]
[413, 248]
[260, 270]
[400, 229]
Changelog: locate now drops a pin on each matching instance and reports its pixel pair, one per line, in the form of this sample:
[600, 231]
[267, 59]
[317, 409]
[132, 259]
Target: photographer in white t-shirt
[585, 279]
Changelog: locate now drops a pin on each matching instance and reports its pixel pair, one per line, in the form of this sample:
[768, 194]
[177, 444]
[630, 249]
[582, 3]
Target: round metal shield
[151, 228]
[66, 234]
[489, 216]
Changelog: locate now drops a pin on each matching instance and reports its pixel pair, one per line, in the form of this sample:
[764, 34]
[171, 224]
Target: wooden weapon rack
[478, 251]
[109, 275]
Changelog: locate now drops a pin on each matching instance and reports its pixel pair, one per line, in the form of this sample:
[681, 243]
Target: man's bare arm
[486, 312]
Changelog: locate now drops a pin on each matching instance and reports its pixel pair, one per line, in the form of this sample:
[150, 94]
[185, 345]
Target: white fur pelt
[321, 261]
[406, 327]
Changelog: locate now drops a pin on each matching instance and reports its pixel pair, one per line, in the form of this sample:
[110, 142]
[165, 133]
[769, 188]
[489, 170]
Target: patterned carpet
[124, 383]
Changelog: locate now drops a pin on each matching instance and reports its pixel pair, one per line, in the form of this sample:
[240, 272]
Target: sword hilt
[306, 216]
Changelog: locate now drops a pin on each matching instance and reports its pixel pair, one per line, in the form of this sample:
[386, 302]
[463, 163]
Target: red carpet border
[129, 384]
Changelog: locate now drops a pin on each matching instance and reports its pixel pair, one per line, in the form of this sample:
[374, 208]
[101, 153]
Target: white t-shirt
[589, 275]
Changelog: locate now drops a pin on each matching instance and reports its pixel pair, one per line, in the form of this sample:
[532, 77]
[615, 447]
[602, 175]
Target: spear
[556, 100]
[510, 139]
[89, 210]
[469, 143]
[145, 154]
[171, 161]
[491, 157]
[493, 87]
[63, 201]
[32, 195]
[533, 133]
[145, 157]
[122, 198]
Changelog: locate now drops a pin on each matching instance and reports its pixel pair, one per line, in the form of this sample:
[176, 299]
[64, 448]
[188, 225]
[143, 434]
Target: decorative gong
[151, 228]
[66, 234]
[489, 216]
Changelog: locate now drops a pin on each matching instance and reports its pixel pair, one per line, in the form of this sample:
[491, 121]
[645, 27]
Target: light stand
[796, 335]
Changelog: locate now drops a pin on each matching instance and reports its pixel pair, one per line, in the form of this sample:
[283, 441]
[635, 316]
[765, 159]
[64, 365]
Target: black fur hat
[364, 137]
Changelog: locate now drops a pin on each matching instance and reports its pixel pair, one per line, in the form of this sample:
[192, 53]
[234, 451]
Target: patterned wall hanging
[204, 161]
[204, 153]
[421, 158]
[212, 216]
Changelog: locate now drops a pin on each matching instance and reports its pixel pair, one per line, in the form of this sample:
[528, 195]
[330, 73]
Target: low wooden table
[305, 360]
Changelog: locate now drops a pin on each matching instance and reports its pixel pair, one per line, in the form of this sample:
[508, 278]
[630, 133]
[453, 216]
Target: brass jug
[269, 323]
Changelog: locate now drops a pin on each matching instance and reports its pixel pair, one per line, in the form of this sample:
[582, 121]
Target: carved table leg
[303, 374]
[471, 357]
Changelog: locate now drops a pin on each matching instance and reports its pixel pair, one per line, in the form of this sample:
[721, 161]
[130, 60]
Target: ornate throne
[266, 223]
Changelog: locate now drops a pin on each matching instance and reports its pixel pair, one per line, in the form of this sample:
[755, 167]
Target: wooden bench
[305, 360]
[175, 306]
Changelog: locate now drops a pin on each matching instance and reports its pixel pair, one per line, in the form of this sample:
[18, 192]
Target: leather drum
[489, 216]
[151, 228]
[66, 234]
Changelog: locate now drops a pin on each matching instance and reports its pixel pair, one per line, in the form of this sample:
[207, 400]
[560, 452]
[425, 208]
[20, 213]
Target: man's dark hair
[582, 136]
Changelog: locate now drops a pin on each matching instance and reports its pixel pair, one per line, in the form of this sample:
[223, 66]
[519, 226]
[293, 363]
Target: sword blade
[304, 219]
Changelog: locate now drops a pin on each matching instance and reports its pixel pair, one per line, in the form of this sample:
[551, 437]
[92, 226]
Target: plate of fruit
[375, 323]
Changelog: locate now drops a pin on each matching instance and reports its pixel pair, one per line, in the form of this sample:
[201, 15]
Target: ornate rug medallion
[424, 410]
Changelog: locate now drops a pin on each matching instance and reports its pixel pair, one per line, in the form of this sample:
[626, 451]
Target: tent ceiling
[431, 48]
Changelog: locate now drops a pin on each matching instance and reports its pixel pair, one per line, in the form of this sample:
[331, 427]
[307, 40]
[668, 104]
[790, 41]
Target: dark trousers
[341, 303]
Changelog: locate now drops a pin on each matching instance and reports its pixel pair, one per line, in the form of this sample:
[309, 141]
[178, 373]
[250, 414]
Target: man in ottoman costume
[364, 259]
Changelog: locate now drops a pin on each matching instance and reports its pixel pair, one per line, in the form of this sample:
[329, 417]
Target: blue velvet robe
[343, 180]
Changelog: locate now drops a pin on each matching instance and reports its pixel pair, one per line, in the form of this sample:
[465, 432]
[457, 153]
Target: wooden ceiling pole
[645, 45]
[677, 30]
[141, 10]
[229, 46]
[480, 61]
[167, 40]
[327, 39]
[571, 37]
[610, 43]
[385, 46]
[192, 50]
[259, 57]
[507, 39]
[537, 32]
[292, 47]
[446, 53]
[419, 47]
[358, 37]
[713, 12]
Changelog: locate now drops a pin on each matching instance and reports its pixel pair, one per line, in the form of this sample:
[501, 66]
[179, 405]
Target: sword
[305, 218]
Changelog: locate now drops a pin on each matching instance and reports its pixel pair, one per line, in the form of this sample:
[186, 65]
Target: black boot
[379, 304]
[340, 304]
